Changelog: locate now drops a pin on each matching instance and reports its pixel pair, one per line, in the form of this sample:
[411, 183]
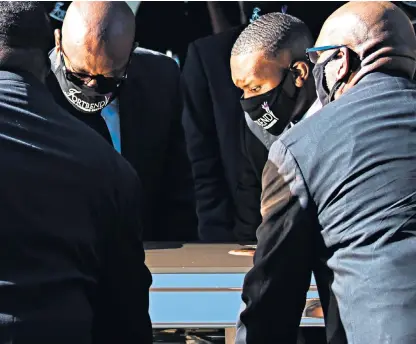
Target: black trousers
[311, 335]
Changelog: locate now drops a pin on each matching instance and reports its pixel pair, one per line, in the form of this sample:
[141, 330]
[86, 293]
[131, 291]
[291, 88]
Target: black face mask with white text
[273, 110]
[83, 98]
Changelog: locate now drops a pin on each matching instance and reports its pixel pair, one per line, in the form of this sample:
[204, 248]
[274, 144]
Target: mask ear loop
[354, 62]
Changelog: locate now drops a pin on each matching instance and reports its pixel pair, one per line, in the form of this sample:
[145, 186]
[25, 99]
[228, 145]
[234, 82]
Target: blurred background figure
[56, 11]
[409, 7]
[172, 25]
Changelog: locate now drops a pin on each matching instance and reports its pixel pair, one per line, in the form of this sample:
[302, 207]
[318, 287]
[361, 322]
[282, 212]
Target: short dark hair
[272, 33]
[24, 25]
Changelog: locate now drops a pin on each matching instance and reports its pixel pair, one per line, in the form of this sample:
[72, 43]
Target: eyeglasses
[312, 53]
[104, 84]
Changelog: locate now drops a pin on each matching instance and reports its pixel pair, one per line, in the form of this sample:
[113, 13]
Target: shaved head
[97, 36]
[379, 32]
[356, 24]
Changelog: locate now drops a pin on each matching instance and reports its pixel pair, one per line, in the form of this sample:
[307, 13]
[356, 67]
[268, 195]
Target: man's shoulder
[302, 131]
[144, 53]
[223, 39]
[149, 61]
[212, 54]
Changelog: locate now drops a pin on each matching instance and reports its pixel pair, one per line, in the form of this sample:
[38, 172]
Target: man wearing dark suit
[227, 185]
[173, 25]
[72, 261]
[269, 65]
[132, 97]
[210, 115]
[340, 187]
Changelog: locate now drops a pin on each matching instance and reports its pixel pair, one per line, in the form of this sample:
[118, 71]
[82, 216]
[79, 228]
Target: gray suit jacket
[340, 187]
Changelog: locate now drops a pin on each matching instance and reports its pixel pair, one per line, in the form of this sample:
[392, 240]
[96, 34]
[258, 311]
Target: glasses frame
[311, 53]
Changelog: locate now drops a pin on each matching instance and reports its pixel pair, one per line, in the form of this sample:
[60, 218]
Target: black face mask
[83, 98]
[325, 96]
[273, 110]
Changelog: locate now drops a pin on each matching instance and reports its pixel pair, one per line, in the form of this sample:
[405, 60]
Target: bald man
[131, 97]
[340, 186]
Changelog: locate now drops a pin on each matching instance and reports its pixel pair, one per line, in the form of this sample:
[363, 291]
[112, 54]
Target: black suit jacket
[71, 257]
[254, 157]
[211, 118]
[173, 25]
[340, 187]
[152, 140]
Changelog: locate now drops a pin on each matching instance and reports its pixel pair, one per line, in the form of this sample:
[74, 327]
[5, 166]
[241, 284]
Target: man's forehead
[245, 64]
[89, 56]
[255, 64]
[84, 61]
[341, 29]
[328, 34]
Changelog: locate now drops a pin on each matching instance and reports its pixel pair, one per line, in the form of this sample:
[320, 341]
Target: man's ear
[57, 35]
[344, 65]
[302, 72]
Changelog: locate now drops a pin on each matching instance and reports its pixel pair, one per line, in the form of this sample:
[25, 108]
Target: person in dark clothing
[255, 140]
[131, 96]
[212, 119]
[269, 65]
[340, 187]
[209, 118]
[408, 7]
[173, 25]
[299, 9]
[72, 259]
[56, 11]
[213, 122]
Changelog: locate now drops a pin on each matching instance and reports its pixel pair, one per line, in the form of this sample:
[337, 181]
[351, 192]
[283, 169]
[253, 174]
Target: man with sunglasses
[131, 97]
[345, 180]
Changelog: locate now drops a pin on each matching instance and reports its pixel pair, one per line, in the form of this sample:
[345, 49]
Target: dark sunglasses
[104, 84]
[312, 53]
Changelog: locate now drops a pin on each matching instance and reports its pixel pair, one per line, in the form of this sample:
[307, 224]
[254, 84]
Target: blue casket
[199, 286]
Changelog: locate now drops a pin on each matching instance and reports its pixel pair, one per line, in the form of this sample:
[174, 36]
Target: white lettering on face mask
[71, 95]
[268, 119]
